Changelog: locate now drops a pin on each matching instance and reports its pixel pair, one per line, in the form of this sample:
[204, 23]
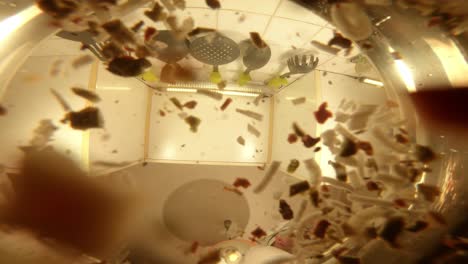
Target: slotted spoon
[254, 58]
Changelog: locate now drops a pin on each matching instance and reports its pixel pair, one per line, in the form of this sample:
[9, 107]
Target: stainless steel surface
[214, 49]
[301, 65]
[255, 58]
[175, 49]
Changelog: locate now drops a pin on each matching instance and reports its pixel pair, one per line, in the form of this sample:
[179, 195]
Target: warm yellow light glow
[239, 93]
[11, 24]
[233, 257]
[181, 90]
[189, 90]
[406, 75]
[372, 82]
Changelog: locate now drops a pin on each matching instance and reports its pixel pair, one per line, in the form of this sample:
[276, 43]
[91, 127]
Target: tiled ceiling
[285, 26]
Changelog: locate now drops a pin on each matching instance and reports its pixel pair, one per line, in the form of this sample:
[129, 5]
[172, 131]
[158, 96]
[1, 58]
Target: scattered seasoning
[418, 226]
[366, 147]
[111, 50]
[252, 130]
[144, 164]
[86, 94]
[200, 30]
[234, 190]
[119, 33]
[372, 186]
[314, 198]
[3, 111]
[193, 122]
[156, 13]
[340, 171]
[322, 114]
[317, 149]
[241, 140]
[429, 192]
[226, 103]
[293, 165]
[128, 66]
[213, 4]
[285, 210]
[292, 138]
[257, 40]
[348, 148]
[194, 247]
[241, 18]
[309, 141]
[251, 114]
[82, 61]
[177, 103]
[424, 154]
[162, 113]
[61, 100]
[190, 104]
[348, 260]
[258, 233]
[137, 27]
[299, 187]
[89, 117]
[298, 131]
[340, 41]
[150, 32]
[392, 229]
[268, 176]
[321, 228]
[242, 182]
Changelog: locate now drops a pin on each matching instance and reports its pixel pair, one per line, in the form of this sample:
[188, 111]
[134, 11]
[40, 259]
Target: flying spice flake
[348, 148]
[242, 182]
[392, 229]
[366, 147]
[234, 190]
[82, 61]
[293, 165]
[226, 103]
[3, 110]
[258, 233]
[194, 247]
[89, 117]
[257, 40]
[321, 228]
[222, 85]
[309, 141]
[213, 4]
[340, 41]
[322, 114]
[86, 94]
[42, 134]
[340, 171]
[156, 13]
[177, 103]
[268, 177]
[137, 27]
[424, 154]
[314, 198]
[285, 210]
[193, 122]
[119, 32]
[299, 100]
[429, 192]
[292, 138]
[162, 113]
[150, 32]
[190, 104]
[200, 30]
[418, 226]
[251, 114]
[252, 130]
[61, 100]
[241, 140]
[299, 187]
[298, 130]
[128, 66]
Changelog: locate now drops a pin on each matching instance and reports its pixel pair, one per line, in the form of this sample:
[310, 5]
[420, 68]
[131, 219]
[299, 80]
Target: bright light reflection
[11, 24]
[406, 75]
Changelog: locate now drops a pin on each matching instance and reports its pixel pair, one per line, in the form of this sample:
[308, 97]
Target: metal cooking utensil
[254, 58]
[174, 49]
[302, 65]
[214, 49]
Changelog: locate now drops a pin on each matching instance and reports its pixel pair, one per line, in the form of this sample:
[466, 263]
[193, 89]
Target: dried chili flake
[348, 148]
[315, 198]
[309, 141]
[234, 190]
[135, 28]
[150, 32]
[226, 103]
[194, 247]
[257, 40]
[156, 13]
[322, 114]
[86, 94]
[298, 131]
[285, 210]
[292, 138]
[293, 165]
[321, 228]
[193, 122]
[3, 110]
[177, 103]
[299, 187]
[89, 117]
[190, 104]
[213, 4]
[128, 66]
[241, 182]
[424, 154]
[366, 147]
[258, 233]
[241, 140]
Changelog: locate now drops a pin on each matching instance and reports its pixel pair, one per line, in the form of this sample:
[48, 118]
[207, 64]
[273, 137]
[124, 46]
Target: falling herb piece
[86, 94]
[392, 229]
[340, 171]
[258, 233]
[226, 103]
[200, 30]
[234, 190]
[292, 138]
[128, 66]
[340, 41]
[268, 176]
[61, 100]
[424, 154]
[400, 203]
[213, 4]
[135, 28]
[194, 247]
[325, 48]
[150, 32]
[241, 140]
[242, 182]
[322, 114]
[58, 10]
[321, 228]
[314, 198]
[251, 114]
[309, 141]
[190, 104]
[156, 13]
[89, 117]
[298, 131]
[298, 101]
[285, 210]
[418, 226]
[348, 148]
[119, 32]
[193, 122]
[252, 130]
[162, 113]
[212, 94]
[429, 192]
[366, 147]
[257, 40]
[3, 110]
[111, 50]
[293, 165]
[82, 61]
[299, 187]
[317, 149]
[177, 103]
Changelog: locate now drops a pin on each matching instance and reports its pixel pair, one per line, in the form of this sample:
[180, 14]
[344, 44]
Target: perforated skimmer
[214, 49]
